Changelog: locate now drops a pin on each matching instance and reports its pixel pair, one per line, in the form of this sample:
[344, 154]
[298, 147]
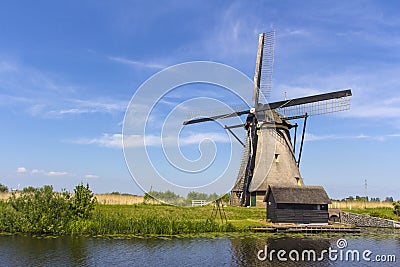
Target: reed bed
[108, 199]
[6, 195]
[121, 199]
[359, 205]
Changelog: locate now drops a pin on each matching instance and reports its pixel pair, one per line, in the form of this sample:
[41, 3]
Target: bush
[38, 211]
[83, 202]
[43, 211]
[3, 188]
[396, 207]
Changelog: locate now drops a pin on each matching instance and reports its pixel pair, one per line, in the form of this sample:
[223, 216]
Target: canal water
[239, 250]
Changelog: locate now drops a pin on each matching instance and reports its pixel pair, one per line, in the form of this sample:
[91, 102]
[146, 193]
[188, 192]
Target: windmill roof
[298, 195]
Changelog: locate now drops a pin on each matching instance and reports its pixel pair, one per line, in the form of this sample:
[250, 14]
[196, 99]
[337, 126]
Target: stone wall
[363, 220]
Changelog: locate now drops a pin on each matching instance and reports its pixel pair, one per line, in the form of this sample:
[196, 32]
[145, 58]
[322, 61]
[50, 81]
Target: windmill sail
[297, 107]
[267, 64]
[264, 65]
[313, 105]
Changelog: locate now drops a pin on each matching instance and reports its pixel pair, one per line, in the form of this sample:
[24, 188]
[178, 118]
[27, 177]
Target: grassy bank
[41, 211]
[146, 220]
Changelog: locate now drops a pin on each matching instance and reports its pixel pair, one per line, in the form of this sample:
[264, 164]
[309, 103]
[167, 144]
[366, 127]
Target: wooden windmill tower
[268, 127]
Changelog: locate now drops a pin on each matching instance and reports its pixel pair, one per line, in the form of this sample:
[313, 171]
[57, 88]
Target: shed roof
[298, 195]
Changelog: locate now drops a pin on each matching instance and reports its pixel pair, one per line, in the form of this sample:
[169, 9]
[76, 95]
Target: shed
[297, 204]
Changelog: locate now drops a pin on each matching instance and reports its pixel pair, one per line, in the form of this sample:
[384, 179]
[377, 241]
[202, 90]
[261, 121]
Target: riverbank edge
[365, 232]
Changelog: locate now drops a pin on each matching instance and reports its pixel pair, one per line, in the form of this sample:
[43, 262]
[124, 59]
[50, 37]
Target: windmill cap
[252, 110]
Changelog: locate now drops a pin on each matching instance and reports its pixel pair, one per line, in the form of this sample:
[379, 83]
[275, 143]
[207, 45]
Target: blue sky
[69, 69]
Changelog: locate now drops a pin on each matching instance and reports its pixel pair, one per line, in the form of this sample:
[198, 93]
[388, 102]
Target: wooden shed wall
[296, 214]
[299, 216]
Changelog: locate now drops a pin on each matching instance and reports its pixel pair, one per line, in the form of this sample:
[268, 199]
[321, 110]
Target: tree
[147, 198]
[396, 207]
[196, 195]
[167, 197]
[226, 198]
[389, 199]
[83, 201]
[29, 189]
[375, 199]
[3, 188]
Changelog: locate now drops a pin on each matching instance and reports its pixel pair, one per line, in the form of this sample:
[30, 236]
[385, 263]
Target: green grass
[234, 213]
[384, 212]
[146, 220]
[194, 218]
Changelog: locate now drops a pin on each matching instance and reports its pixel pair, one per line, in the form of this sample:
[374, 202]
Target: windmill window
[276, 157]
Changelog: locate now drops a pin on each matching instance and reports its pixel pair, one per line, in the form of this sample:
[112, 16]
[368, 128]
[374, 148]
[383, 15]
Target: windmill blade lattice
[313, 105]
[267, 63]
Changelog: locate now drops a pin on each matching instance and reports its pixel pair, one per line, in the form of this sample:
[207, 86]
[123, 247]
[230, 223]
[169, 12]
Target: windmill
[266, 122]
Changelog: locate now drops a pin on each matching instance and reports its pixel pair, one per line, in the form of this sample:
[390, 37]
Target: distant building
[297, 204]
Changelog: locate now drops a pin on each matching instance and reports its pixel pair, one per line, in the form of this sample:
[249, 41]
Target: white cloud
[375, 93]
[313, 137]
[136, 63]
[196, 138]
[106, 140]
[21, 170]
[373, 110]
[8, 67]
[56, 173]
[90, 176]
[79, 106]
[45, 95]
[49, 173]
[234, 35]
[292, 32]
[115, 140]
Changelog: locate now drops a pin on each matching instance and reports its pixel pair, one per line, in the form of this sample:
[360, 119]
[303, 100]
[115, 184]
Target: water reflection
[263, 251]
[223, 251]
